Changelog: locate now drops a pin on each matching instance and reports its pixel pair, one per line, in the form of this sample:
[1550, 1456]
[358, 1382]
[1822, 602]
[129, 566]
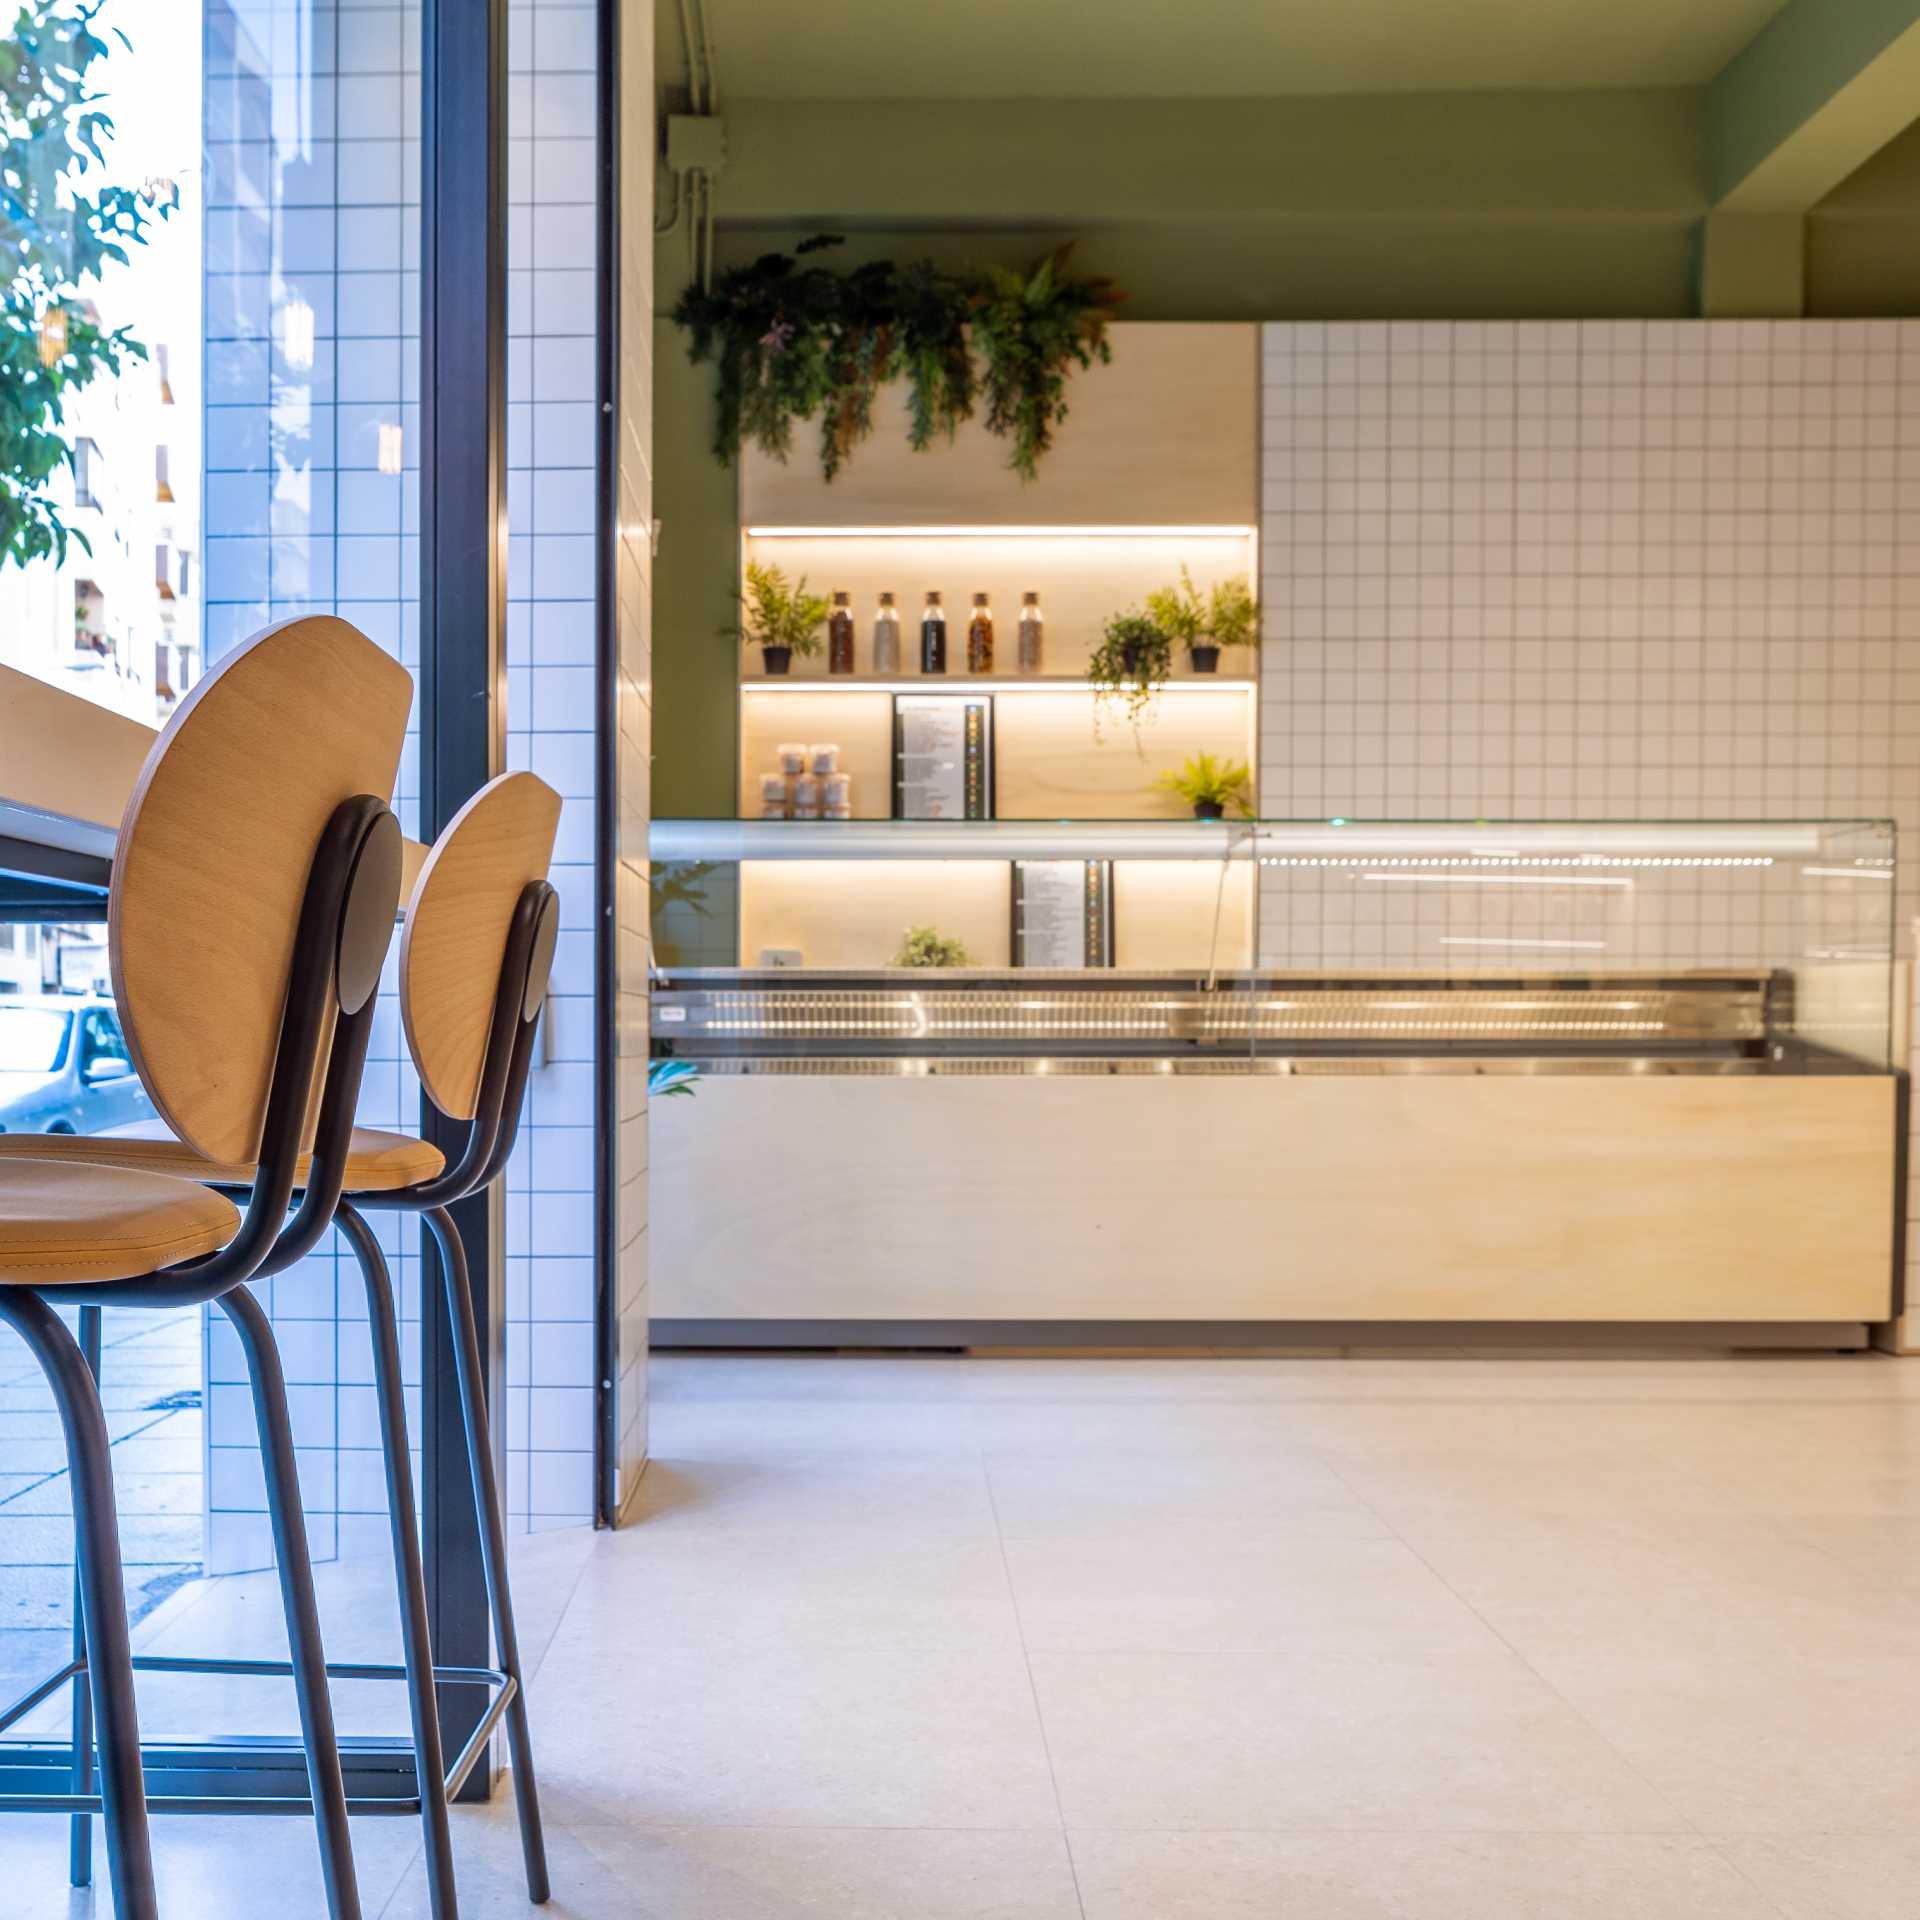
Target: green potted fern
[1233, 620]
[1181, 615]
[1225, 616]
[778, 617]
[1210, 786]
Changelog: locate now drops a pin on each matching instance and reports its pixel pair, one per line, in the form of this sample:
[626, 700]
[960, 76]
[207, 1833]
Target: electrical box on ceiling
[696, 143]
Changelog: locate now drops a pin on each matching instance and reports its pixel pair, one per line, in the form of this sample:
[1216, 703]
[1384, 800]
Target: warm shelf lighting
[977, 683]
[1000, 533]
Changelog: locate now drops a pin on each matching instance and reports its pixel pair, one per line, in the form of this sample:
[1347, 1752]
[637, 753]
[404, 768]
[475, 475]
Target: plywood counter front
[789, 1205]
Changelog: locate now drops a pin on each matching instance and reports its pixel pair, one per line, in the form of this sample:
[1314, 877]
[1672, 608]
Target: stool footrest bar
[283, 1669]
[507, 1689]
[45, 1690]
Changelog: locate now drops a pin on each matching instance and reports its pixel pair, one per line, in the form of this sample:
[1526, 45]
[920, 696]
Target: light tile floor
[1023, 1639]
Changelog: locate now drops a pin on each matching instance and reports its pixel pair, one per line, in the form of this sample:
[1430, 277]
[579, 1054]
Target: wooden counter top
[67, 766]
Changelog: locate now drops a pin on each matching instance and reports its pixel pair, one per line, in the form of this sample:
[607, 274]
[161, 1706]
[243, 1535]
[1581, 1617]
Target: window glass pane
[258, 462]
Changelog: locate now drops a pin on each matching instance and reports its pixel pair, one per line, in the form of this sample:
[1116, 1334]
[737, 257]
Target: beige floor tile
[1819, 1876]
[1073, 1490]
[1228, 1429]
[766, 1378]
[1747, 1744]
[708, 1428]
[1235, 1588]
[887, 1497]
[1422, 1493]
[1399, 1637]
[241, 1869]
[617, 1873]
[1698, 1587]
[629, 1729]
[815, 1589]
[1240, 1876]
[1457, 1743]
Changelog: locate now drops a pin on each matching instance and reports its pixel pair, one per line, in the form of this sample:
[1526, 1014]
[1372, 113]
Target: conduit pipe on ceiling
[693, 189]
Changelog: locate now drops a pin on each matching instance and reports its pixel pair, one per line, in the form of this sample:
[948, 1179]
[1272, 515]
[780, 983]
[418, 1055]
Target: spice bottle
[886, 636]
[933, 636]
[980, 636]
[1033, 634]
[840, 636]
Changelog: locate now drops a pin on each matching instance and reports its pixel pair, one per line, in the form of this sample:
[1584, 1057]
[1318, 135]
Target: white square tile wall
[313, 206]
[1585, 570]
[553, 306]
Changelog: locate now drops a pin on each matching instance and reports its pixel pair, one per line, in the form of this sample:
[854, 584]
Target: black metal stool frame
[344, 929]
[525, 967]
[508, 1060]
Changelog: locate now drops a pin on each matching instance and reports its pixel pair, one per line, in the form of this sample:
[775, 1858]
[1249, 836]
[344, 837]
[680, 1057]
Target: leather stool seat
[67, 1222]
[377, 1161]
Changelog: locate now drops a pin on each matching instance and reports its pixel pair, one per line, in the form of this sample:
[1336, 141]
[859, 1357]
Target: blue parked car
[64, 1066]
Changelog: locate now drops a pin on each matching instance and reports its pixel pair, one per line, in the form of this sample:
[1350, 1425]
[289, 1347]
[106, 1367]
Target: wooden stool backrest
[455, 937]
[212, 861]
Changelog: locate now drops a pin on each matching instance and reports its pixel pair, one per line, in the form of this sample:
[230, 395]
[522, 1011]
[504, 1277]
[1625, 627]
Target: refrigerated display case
[1481, 1074]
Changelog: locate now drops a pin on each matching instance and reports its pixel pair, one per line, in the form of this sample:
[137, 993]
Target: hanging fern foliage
[792, 340]
[1033, 330]
[935, 355]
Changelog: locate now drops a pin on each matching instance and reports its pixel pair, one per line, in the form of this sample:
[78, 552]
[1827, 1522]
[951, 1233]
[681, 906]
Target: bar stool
[255, 879]
[475, 956]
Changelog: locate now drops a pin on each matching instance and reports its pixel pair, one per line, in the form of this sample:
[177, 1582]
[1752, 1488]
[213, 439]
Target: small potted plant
[1133, 661]
[1233, 620]
[929, 947]
[1210, 786]
[1181, 615]
[1224, 617]
[778, 618]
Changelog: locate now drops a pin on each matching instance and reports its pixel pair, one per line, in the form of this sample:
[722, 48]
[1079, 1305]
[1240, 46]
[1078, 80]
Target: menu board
[1063, 913]
[942, 756]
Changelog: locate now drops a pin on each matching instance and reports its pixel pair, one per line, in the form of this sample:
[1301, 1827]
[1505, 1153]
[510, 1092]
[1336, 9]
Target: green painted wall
[1863, 239]
[694, 708]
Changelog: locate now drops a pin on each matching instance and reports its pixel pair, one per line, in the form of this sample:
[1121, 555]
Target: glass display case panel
[1749, 947]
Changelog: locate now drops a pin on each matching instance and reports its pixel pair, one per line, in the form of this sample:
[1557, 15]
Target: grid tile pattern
[1586, 570]
[313, 214]
[552, 573]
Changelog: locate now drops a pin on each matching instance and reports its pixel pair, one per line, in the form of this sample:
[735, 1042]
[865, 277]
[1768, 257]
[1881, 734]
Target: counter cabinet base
[1279, 1339]
[1293, 1205]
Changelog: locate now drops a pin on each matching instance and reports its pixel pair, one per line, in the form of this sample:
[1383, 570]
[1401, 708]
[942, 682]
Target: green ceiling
[962, 49]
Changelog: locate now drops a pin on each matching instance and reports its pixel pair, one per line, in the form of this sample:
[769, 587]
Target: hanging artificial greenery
[1133, 661]
[1032, 329]
[793, 340]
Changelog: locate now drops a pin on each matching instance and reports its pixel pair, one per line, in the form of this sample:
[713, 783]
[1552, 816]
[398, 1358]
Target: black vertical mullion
[463, 585]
